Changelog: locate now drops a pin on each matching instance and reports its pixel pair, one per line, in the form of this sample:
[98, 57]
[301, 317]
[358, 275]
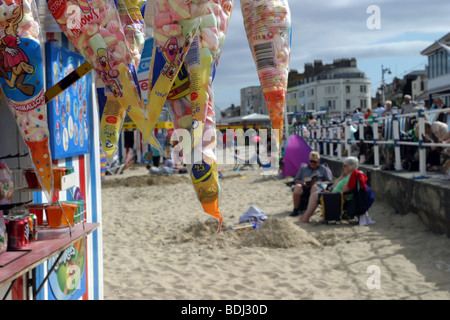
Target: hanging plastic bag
[95, 29]
[22, 82]
[268, 26]
[201, 63]
[176, 23]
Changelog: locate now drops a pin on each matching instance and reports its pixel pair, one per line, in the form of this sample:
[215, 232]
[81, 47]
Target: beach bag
[361, 202]
[253, 214]
[332, 205]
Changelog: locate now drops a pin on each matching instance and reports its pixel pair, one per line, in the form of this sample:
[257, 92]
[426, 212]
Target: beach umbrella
[296, 153]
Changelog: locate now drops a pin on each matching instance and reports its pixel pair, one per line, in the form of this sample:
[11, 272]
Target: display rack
[67, 183]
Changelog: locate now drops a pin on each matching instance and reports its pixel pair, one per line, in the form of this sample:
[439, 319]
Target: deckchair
[350, 205]
[115, 167]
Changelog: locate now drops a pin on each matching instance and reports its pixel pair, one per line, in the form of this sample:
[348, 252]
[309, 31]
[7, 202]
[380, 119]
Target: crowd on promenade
[437, 131]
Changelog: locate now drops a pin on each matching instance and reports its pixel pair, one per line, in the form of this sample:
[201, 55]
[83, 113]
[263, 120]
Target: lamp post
[383, 71]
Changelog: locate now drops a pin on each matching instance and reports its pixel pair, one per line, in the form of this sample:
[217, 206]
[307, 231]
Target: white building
[252, 101]
[339, 88]
[439, 69]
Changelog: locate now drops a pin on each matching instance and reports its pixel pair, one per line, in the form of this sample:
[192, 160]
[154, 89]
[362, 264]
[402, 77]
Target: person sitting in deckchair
[304, 183]
[340, 185]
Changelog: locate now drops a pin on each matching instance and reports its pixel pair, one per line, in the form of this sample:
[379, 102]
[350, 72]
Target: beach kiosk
[63, 260]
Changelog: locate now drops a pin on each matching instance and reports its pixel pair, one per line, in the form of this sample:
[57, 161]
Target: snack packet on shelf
[22, 82]
[175, 24]
[201, 63]
[95, 29]
[267, 24]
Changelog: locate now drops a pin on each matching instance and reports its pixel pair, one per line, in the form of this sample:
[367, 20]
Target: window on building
[330, 90]
[434, 65]
[331, 104]
[363, 103]
[430, 72]
[448, 62]
[348, 104]
[363, 88]
[347, 89]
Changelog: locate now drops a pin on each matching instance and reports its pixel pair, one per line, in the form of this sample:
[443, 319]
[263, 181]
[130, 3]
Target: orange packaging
[55, 216]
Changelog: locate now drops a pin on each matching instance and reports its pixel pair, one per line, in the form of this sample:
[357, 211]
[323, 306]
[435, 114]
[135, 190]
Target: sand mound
[278, 233]
[273, 233]
[206, 233]
[144, 181]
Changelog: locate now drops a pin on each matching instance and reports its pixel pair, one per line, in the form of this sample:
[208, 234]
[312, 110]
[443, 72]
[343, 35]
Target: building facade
[252, 101]
[338, 88]
[439, 69]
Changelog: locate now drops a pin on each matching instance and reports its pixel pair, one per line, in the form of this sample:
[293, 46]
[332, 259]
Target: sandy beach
[158, 244]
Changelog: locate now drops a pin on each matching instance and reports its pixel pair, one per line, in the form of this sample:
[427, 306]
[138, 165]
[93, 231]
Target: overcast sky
[333, 29]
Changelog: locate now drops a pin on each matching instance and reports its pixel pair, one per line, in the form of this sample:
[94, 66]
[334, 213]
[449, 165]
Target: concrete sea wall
[428, 196]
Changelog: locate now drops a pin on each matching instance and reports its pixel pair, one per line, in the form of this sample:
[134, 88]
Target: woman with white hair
[340, 185]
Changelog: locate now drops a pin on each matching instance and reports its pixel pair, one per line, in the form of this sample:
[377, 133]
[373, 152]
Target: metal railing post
[348, 136]
[396, 136]
[376, 151]
[422, 148]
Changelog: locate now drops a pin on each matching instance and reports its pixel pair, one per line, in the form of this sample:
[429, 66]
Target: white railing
[339, 136]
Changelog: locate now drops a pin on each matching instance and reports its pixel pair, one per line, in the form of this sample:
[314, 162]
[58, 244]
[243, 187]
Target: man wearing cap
[303, 179]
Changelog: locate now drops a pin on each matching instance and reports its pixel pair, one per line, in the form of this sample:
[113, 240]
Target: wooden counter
[51, 242]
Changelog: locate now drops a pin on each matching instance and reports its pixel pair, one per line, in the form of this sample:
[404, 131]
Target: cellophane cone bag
[95, 29]
[201, 65]
[22, 82]
[175, 24]
[267, 24]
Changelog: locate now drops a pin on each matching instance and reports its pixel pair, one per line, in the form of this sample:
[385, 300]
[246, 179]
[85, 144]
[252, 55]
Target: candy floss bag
[112, 115]
[267, 24]
[6, 194]
[22, 82]
[175, 24]
[96, 31]
[201, 64]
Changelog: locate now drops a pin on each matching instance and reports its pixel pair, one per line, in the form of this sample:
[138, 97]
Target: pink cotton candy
[162, 19]
[90, 52]
[113, 26]
[210, 37]
[91, 29]
[171, 30]
[105, 33]
[179, 10]
[97, 3]
[223, 19]
[163, 5]
[82, 41]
